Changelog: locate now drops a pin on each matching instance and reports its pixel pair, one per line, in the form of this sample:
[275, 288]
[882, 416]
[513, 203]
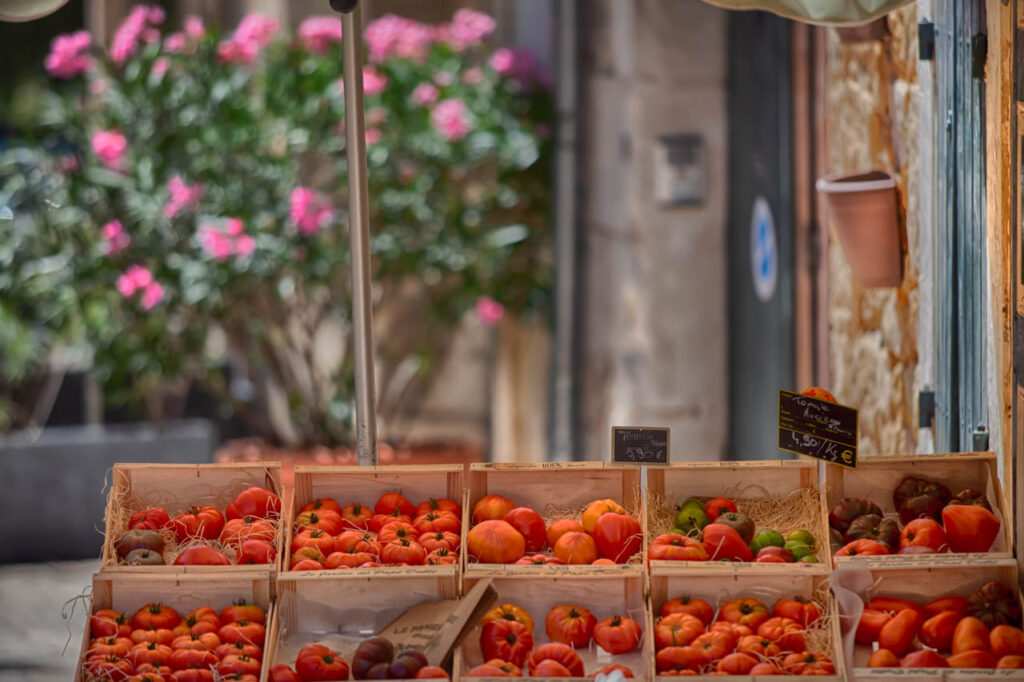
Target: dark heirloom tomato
[874, 527]
[258, 502]
[921, 507]
[970, 496]
[848, 510]
[406, 665]
[372, 659]
[132, 540]
[995, 604]
[740, 523]
[911, 486]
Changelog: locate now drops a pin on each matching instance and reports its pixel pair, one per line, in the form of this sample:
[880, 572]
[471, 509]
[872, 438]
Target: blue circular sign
[764, 250]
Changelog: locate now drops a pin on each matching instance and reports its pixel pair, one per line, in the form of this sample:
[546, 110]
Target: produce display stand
[743, 482]
[604, 594]
[176, 487]
[555, 490]
[181, 591]
[768, 586]
[875, 479]
[856, 583]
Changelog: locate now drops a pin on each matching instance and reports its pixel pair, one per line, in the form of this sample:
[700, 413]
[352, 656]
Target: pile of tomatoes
[507, 642]
[393, 532]
[157, 644]
[374, 659]
[203, 535]
[746, 638]
[504, 533]
[980, 631]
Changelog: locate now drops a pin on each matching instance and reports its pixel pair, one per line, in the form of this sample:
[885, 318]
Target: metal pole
[359, 231]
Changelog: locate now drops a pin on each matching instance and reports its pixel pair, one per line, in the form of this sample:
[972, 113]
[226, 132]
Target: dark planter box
[54, 488]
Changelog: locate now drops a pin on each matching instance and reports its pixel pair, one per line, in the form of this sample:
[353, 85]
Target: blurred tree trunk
[519, 414]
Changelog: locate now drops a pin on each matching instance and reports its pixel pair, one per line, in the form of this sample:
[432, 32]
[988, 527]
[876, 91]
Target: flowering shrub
[188, 196]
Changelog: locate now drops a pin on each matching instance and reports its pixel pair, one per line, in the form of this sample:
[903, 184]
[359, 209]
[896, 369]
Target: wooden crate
[767, 586]
[854, 584]
[548, 488]
[176, 487]
[669, 486]
[364, 484]
[875, 479]
[342, 608]
[604, 594]
[128, 592]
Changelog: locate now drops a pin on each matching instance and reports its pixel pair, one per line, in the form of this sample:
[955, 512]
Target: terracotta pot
[864, 211]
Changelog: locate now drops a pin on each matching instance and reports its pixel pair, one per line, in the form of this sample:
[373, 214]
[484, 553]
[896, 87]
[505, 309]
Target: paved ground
[37, 621]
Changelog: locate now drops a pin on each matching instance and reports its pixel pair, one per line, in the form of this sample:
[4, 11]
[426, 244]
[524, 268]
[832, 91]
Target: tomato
[749, 612]
[618, 536]
[539, 560]
[576, 548]
[396, 530]
[863, 547]
[154, 518]
[558, 652]
[317, 662]
[1011, 662]
[800, 609]
[973, 658]
[925, 533]
[609, 669]
[870, 626]
[594, 510]
[238, 649]
[785, 632]
[691, 605]
[242, 612]
[899, 633]
[258, 502]
[159, 635]
[326, 520]
[109, 667]
[774, 555]
[306, 553]
[306, 565]
[569, 624]
[530, 525]
[1006, 640]
[617, 635]
[718, 506]
[495, 542]
[970, 635]
[247, 528]
[350, 559]
[559, 528]
[924, 658]
[147, 676]
[198, 522]
[492, 508]
[765, 669]
[487, 670]
[970, 528]
[201, 555]
[390, 502]
[239, 664]
[712, 646]
[321, 503]
[108, 623]
[883, 658]
[110, 646]
[438, 540]
[208, 641]
[510, 612]
[508, 640]
[182, 659]
[893, 605]
[678, 658]
[155, 616]
[676, 547]
[436, 505]
[355, 515]
[371, 660]
[432, 672]
[403, 551]
[956, 604]
[256, 552]
[758, 647]
[724, 542]
[442, 557]
[676, 629]
[994, 604]
[380, 520]
[282, 672]
[198, 621]
[437, 521]
[736, 664]
[735, 630]
[358, 541]
[812, 662]
[937, 631]
[313, 537]
[243, 631]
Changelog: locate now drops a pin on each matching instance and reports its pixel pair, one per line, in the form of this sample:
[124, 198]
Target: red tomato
[560, 653]
[676, 629]
[243, 631]
[576, 548]
[208, 641]
[593, 512]
[243, 612]
[970, 635]
[863, 548]
[306, 565]
[691, 605]
[182, 659]
[350, 559]
[898, 634]
[256, 552]
[676, 547]
[609, 669]
[439, 504]
[569, 624]
[159, 635]
[492, 508]
[723, 542]
[314, 537]
[108, 623]
[438, 521]
[924, 533]
[439, 540]
[317, 662]
[356, 516]
[155, 616]
[390, 502]
[258, 502]
[203, 522]
[618, 536]
[955, 604]
[403, 551]
[322, 503]
[749, 612]
[718, 506]
[560, 528]
[237, 531]
[239, 665]
[153, 518]
[283, 673]
[358, 541]
[238, 649]
[530, 525]
[396, 530]
[193, 675]
[201, 555]
[432, 672]
[441, 557]
[495, 542]
[617, 635]
[109, 667]
[326, 520]
[508, 640]
[380, 520]
[800, 609]
[970, 528]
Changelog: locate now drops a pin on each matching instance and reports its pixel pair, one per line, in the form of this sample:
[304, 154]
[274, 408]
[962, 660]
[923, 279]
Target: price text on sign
[640, 444]
[817, 428]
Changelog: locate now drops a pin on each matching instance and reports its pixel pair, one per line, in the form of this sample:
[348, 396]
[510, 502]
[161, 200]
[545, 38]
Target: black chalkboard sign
[817, 428]
[640, 444]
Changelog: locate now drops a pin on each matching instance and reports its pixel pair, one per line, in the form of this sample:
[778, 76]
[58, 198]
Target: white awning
[832, 12]
[27, 10]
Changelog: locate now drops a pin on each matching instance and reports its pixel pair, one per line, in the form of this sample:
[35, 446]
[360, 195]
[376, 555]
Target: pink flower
[160, 66]
[150, 36]
[133, 279]
[109, 146]
[235, 227]
[469, 27]
[472, 76]
[175, 43]
[234, 52]
[244, 245]
[223, 243]
[425, 94]
[373, 136]
[115, 237]
[396, 36]
[310, 211]
[155, 15]
[68, 163]
[151, 295]
[489, 311]
[519, 64]
[181, 196]
[451, 120]
[194, 27]
[254, 32]
[374, 81]
[318, 33]
[68, 57]
[134, 27]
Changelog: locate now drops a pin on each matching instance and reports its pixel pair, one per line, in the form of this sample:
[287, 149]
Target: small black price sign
[817, 428]
[640, 444]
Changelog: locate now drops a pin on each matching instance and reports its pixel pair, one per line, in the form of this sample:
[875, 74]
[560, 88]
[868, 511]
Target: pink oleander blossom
[309, 210]
[69, 55]
[451, 119]
[134, 28]
[151, 295]
[115, 237]
[517, 63]
[135, 278]
[175, 43]
[489, 311]
[244, 245]
[317, 34]
[109, 146]
[425, 94]
[394, 36]
[182, 196]
[374, 82]
[472, 76]
[469, 27]
[254, 32]
[194, 27]
[373, 136]
[234, 52]
[160, 66]
[224, 242]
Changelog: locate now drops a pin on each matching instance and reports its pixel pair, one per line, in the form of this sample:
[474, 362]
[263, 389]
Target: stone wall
[872, 120]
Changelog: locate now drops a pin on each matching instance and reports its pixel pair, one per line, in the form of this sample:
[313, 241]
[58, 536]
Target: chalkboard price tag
[817, 428]
[640, 444]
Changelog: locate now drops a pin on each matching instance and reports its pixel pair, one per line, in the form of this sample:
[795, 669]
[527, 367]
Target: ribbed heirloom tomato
[432, 522]
[110, 646]
[356, 516]
[495, 542]
[318, 662]
[238, 649]
[391, 502]
[326, 520]
[509, 612]
[439, 540]
[441, 557]
[508, 640]
[679, 658]
[380, 520]
[618, 536]
[691, 605]
[403, 551]
[924, 533]
[322, 503]
[713, 645]
[201, 555]
[396, 530]
[198, 522]
[258, 502]
[158, 635]
[198, 621]
[153, 518]
[256, 552]
[208, 641]
[617, 635]
[594, 510]
[808, 663]
[786, 632]
[182, 659]
[550, 668]
[569, 624]
[800, 609]
[492, 508]
[243, 631]
[561, 653]
[242, 611]
[576, 548]
[313, 537]
[349, 559]
[609, 669]
[745, 611]
[107, 623]
[559, 528]
[757, 646]
[677, 629]
[358, 541]
[155, 616]
[239, 665]
[438, 504]
[530, 525]
[675, 547]
[736, 664]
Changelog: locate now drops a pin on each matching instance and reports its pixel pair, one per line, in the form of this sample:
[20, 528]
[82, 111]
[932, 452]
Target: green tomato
[810, 559]
[692, 502]
[767, 538]
[799, 549]
[691, 518]
[802, 536]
